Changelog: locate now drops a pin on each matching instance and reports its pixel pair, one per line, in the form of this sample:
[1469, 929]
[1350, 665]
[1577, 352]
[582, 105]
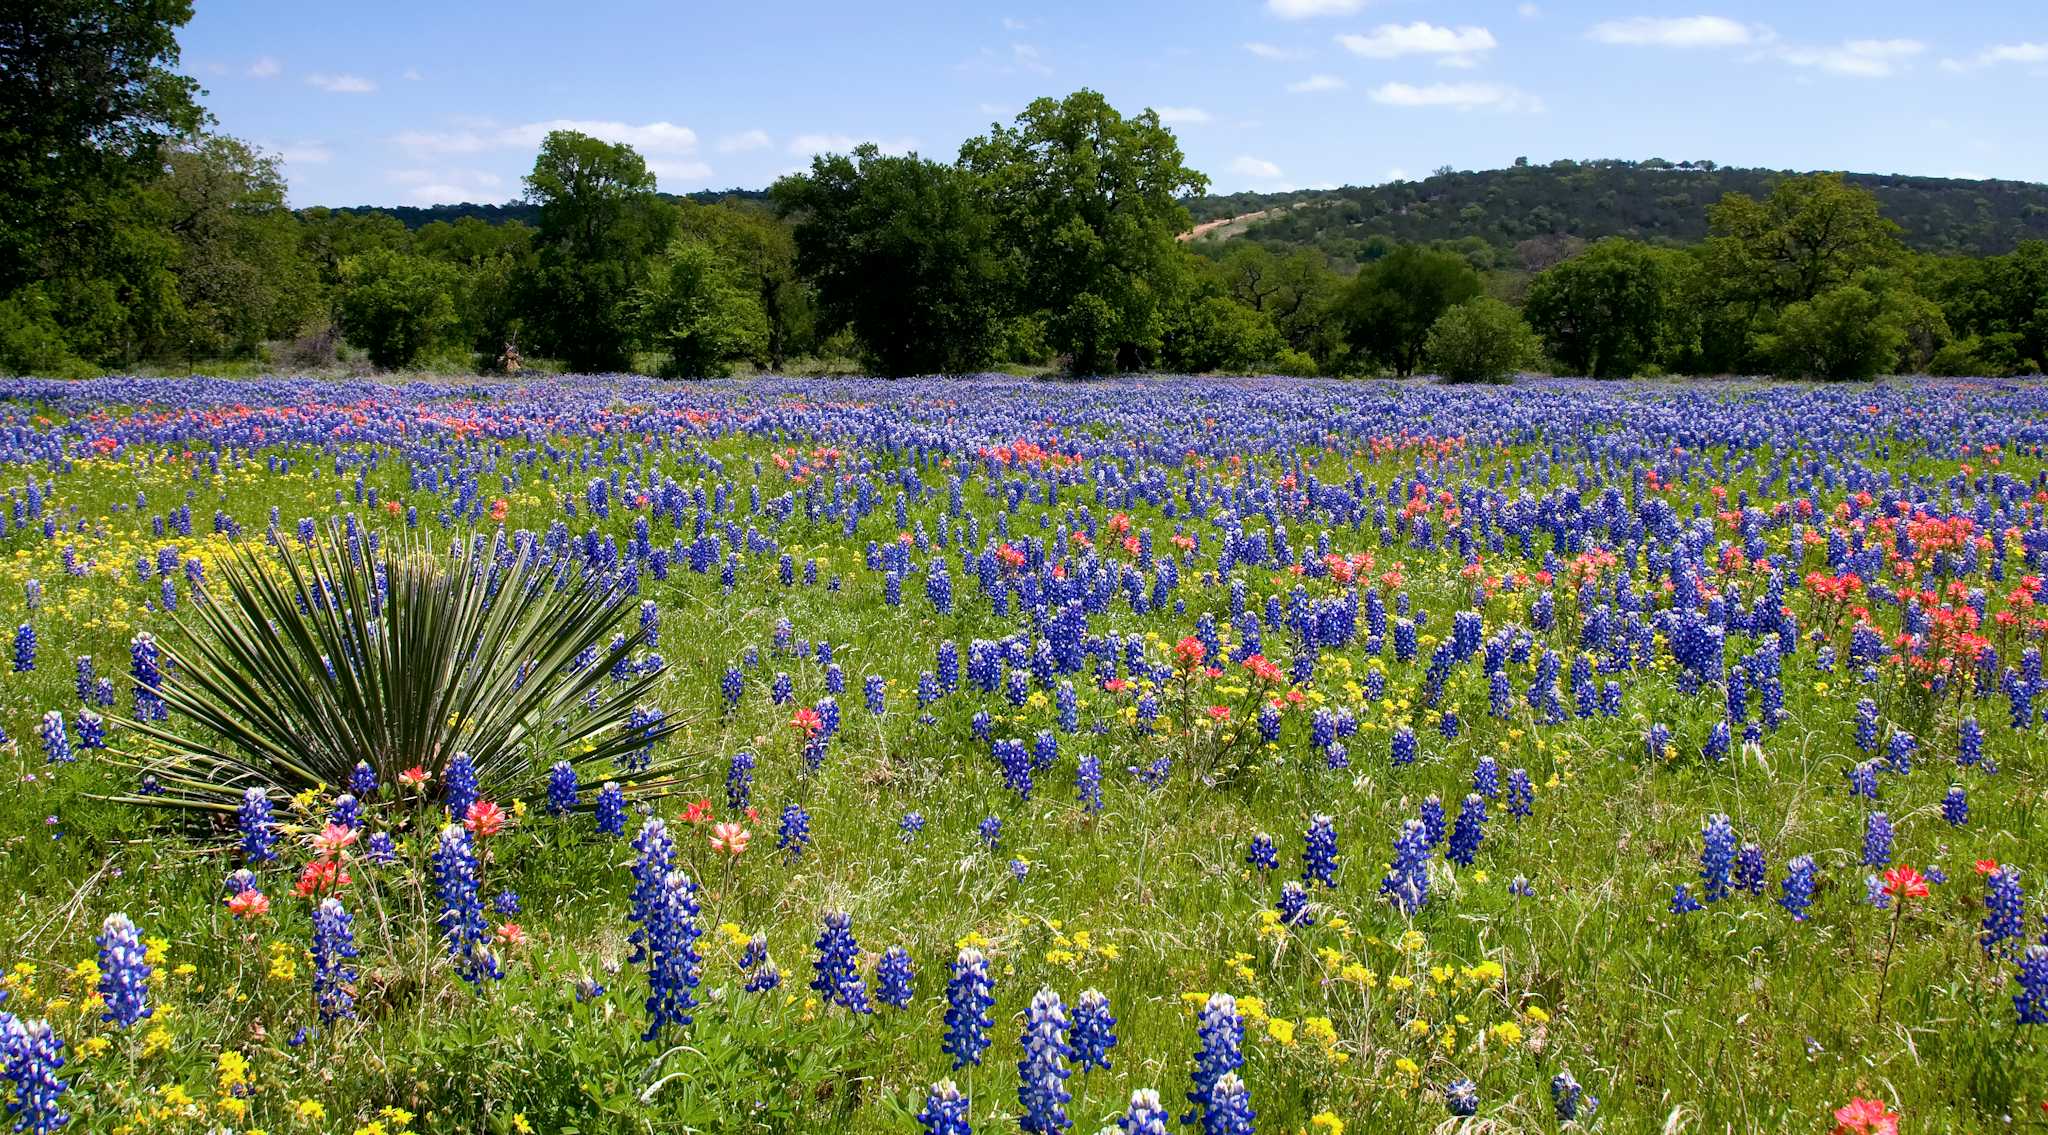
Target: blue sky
[386, 103]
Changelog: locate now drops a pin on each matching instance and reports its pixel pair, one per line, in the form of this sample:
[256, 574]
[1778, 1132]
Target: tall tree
[901, 251]
[1602, 312]
[699, 310]
[761, 248]
[242, 276]
[599, 222]
[396, 306]
[1393, 302]
[1089, 203]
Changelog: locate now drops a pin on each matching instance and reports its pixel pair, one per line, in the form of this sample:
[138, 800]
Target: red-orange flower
[1903, 880]
[729, 838]
[321, 876]
[1189, 652]
[414, 777]
[1262, 669]
[485, 818]
[511, 934]
[334, 839]
[249, 904]
[698, 811]
[806, 721]
[1866, 1117]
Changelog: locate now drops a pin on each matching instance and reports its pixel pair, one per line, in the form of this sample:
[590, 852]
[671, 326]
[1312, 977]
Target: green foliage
[761, 250]
[1847, 333]
[1480, 340]
[902, 252]
[431, 654]
[2004, 300]
[1088, 204]
[1389, 309]
[395, 306]
[1217, 333]
[1605, 311]
[599, 223]
[694, 311]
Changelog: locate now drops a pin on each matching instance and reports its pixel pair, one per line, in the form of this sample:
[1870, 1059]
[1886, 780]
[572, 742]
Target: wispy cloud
[1247, 166]
[440, 186]
[674, 174]
[1183, 115]
[743, 141]
[2000, 53]
[1677, 31]
[305, 153]
[342, 84]
[1857, 58]
[660, 138]
[1273, 52]
[1310, 9]
[804, 145]
[1457, 96]
[1455, 46]
[265, 67]
[1317, 84]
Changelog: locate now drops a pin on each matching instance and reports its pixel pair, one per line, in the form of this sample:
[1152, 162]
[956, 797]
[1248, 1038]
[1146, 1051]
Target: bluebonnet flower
[732, 685]
[459, 787]
[1877, 840]
[836, 972]
[1874, 893]
[1750, 869]
[1462, 1097]
[1434, 826]
[92, 730]
[56, 742]
[895, 978]
[766, 977]
[1230, 1108]
[1955, 807]
[755, 952]
[148, 675]
[259, 835]
[1469, 830]
[911, 824]
[654, 857]
[1899, 752]
[1319, 852]
[1521, 888]
[1682, 901]
[1016, 765]
[1718, 742]
[86, 680]
[334, 943]
[1403, 745]
[1969, 743]
[945, 1110]
[1262, 855]
[380, 849]
[1657, 741]
[1486, 778]
[991, 831]
[1717, 857]
[1221, 1051]
[874, 692]
[1521, 794]
[1088, 783]
[562, 788]
[348, 812]
[462, 911]
[1564, 1096]
[1146, 1115]
[1866, 725]
[1798, 886]
[362, 781]
[30, 1055]
[1863, 780]
[505, 902]
[1407, 879]
[670, 950]
[1094, 1030]
[1293, 905]
[2031, 1002]
[124, 972]
[24, 648]
[968, 999]
[1042, 1070]
[611, 809]
[1337, 757]
[793, 833]
[2005, 910]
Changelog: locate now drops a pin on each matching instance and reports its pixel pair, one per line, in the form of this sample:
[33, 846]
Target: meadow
[1318, 756]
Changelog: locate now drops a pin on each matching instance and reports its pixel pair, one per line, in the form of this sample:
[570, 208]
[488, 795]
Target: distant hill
[413, 216]
[1658, 201]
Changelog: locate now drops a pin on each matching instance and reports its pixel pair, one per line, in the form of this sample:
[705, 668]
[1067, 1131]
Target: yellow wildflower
[310, 1111]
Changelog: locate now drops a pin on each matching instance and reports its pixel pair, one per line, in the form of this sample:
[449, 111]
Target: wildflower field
[606, 755]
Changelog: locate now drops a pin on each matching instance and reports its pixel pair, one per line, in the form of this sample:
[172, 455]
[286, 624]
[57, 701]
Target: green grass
[1734, 1019]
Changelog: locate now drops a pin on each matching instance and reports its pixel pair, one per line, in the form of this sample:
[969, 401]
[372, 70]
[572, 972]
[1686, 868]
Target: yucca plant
[296, 663]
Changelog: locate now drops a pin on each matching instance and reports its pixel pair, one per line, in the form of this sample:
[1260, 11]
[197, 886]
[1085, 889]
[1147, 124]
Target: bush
[1480, 340]
[1216, 333]
[394, 306]
[32, 342]
[1846, 334]
[1996, 355]
[693, 311]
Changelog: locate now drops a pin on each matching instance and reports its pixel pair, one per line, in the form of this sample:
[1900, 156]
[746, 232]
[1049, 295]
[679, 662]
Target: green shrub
[396, 307]
[1480, 340]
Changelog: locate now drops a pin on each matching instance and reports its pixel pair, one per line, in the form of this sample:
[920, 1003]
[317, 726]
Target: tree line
[135, 234]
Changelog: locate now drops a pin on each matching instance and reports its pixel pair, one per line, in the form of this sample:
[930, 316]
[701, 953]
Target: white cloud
[446, 186]
[1459, 96]
[1316, 84]
[1272, 52]
[1677, 31]
[1391, 41]
[265, 67]
[1857, 58]
[1397, 174]
[1996, 54]
[412, 75]
[342, 84]
[1247, 166]
[1528, 11]
[743, 141]
[1183, 115]
[648, 138]
[804, 145]
[1012, 24]
[1309, 9]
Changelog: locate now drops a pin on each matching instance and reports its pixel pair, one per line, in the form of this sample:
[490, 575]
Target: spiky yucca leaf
[299, 662]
